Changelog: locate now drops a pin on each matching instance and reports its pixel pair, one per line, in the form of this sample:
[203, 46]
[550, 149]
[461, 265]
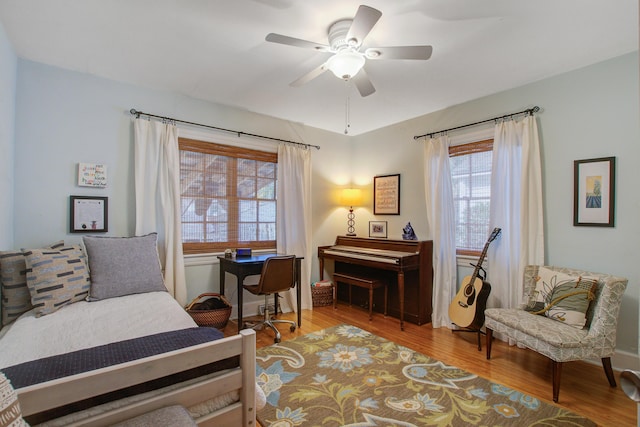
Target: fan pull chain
[347, 109]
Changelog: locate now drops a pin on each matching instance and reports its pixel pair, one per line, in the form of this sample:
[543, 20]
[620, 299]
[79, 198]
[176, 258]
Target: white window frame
[468, 138]
[246, 141]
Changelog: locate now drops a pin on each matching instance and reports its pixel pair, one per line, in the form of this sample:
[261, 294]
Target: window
[471, 180]
[228, 197]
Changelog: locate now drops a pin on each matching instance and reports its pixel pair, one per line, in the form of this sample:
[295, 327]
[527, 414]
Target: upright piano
[406, 265]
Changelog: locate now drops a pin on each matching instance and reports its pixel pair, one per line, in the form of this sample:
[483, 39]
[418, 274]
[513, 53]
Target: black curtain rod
[137, 113]
[529, 111]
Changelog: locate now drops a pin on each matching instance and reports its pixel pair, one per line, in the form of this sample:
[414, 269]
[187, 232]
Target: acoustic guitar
[467, 308]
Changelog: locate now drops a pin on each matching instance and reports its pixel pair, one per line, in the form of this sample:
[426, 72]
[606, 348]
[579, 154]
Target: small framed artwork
[386, 195]
[92, 175]
[88, 214]
[594, 192]
[378, 229]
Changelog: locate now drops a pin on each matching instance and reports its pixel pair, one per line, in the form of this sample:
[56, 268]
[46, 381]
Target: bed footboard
[56, 393]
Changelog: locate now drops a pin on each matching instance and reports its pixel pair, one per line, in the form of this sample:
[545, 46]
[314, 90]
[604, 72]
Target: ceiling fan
[345, 42]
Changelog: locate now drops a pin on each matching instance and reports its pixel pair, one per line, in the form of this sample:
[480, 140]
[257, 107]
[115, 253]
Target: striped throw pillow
[56, 277]
[16, 298]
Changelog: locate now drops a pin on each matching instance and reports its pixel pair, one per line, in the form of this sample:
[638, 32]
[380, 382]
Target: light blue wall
[64, 117]
[588, 113]
[8, 65]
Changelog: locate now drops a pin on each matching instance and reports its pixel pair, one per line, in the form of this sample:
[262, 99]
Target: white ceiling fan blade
[366, 17]
[292, 41]
[310, 75]
[362, 82]
[399, 52]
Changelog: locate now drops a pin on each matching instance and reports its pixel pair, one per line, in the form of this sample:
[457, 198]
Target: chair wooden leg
[557, 370]
[606, 364]
[489, 339]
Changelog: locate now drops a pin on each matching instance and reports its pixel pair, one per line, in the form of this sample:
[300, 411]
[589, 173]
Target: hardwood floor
[584, 388]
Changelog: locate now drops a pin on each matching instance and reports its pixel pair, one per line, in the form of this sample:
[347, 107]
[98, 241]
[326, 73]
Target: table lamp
[351, 197]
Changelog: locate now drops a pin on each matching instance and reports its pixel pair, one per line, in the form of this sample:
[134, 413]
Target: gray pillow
[123, 265]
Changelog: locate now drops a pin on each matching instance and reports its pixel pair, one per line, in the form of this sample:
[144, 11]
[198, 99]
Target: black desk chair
[278, 275]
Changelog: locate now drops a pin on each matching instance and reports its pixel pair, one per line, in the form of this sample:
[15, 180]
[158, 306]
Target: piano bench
[363, 282]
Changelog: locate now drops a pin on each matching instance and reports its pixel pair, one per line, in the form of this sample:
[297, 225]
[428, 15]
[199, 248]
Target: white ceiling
[215, 49]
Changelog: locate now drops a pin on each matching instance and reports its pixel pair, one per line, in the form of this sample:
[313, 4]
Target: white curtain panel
[157, 184]
[516, 207]
[440, 216]
[293, 201]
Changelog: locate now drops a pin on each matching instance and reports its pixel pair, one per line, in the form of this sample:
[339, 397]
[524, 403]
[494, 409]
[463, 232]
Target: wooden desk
[241, 267]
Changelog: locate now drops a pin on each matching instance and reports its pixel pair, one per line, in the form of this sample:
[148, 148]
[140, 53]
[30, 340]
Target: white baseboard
[622, 360]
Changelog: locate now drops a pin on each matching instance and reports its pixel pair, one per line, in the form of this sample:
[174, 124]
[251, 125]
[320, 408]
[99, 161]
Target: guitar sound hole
[468, 291]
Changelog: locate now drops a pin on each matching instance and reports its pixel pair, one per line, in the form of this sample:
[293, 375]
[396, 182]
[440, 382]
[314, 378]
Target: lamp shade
[346, 64]
[351, 197]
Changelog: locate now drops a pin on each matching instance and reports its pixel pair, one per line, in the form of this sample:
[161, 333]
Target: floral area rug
[346, 376]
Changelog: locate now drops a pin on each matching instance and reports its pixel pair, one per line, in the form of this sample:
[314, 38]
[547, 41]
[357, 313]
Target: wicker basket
[216, 318]
[322, 295]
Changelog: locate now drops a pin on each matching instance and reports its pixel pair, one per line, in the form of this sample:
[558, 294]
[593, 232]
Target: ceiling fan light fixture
[346, 64]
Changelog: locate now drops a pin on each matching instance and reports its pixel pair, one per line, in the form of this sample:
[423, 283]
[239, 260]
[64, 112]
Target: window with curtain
[471, 181]
[228, 197]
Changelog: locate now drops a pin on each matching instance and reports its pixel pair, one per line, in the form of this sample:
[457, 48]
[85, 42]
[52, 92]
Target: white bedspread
[89, 324]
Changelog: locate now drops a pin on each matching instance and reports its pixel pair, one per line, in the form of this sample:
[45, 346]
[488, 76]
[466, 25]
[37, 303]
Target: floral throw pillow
[562, 297]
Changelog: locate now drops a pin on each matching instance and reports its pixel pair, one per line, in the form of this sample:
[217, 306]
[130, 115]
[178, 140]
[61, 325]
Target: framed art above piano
[386, 194]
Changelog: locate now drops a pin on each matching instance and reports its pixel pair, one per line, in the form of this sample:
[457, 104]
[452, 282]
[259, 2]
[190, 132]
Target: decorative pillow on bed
[56, 277]
[562, 297]
[10, 413]
[16, 298]
[123, 266]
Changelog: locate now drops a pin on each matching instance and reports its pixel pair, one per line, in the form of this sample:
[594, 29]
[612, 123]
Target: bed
[109, 357]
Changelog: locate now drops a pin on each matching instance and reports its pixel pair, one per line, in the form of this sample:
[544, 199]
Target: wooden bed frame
[52, 394]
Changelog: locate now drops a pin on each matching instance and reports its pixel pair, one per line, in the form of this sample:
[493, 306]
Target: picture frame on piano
[386, 194]
[378, 229]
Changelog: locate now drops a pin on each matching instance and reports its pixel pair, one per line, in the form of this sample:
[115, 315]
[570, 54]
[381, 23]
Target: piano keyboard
[369, 254]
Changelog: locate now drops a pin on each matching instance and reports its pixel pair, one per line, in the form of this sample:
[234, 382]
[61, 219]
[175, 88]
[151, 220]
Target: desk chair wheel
[292, 328]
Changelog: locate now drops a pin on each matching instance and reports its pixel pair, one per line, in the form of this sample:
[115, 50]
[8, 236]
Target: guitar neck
[476, 270]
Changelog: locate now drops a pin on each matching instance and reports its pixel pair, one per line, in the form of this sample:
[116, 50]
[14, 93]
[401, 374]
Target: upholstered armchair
[559, 341]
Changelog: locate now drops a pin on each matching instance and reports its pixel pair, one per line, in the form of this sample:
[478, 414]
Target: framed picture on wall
[594, 192]
[88, 214]
[92, 175]
[386, 195]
